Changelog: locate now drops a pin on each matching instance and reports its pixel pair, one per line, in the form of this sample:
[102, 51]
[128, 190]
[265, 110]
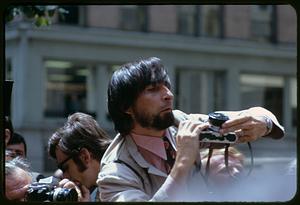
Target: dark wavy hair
[18, 139]
[80, 131]
[127, 83]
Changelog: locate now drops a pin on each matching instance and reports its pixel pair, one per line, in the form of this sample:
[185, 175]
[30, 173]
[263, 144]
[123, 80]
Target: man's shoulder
[117, 168]
[113, 150]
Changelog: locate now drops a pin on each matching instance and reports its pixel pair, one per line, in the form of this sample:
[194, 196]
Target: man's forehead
[60, 155]
[16, 145]
[19, 176]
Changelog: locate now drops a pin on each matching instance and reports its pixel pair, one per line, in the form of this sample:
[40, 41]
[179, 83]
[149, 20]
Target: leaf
[41, 21]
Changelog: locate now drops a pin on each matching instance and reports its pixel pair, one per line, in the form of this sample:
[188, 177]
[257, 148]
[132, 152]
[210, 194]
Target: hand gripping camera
[211, 137]
[46, 190]
[212, 134]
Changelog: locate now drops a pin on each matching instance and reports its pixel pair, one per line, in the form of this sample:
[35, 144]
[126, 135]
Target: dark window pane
[133, 18]
[187, 20]
[72, 17]
[262, 90]
[210, 21]
[199, 91]
[261, 22]
[65, 88]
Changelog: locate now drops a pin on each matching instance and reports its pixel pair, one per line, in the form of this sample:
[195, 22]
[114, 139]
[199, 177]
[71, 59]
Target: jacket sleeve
[118, 183]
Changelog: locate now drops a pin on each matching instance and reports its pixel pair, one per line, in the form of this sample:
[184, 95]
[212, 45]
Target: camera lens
[63, 194]
[47, 193]
[231, 137]
[217, 119]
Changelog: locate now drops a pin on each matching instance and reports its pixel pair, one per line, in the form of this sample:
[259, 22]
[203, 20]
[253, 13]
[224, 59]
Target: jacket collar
[138, 158]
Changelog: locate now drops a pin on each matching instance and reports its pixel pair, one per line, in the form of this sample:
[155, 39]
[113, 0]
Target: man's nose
[167, 94]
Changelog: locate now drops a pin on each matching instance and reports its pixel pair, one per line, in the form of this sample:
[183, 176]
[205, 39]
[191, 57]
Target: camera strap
[226, 159]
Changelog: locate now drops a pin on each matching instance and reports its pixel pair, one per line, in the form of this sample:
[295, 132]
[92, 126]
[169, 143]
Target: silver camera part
[216, 137]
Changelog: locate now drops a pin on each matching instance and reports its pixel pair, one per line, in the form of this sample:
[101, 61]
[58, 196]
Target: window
[133, 18]
[261, 22]
[187, 19]
[199, 91]
[211, 20]
[72, 17]
[66, 88]
[263, 90]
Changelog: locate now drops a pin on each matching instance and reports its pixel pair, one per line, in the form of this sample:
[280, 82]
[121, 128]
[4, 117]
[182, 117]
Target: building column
[91, 89]
[233, 92]
[172, 75]
[19, 69]
[287, 111]
[102, 78]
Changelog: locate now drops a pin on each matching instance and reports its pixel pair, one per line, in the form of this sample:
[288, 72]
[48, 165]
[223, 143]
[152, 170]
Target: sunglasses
[62, 166]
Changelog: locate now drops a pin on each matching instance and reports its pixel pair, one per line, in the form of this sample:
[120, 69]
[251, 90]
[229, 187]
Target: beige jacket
[126, 176]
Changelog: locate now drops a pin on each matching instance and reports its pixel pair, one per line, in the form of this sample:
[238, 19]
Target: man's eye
[152, 88]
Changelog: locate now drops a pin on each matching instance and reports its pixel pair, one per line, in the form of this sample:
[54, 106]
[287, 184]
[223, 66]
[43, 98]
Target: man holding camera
[151, 159]
[19, 185]
[78, 148]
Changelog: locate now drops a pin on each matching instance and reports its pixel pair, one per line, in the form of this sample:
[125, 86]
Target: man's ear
[7, 136]
[85, 155]
[129, 111]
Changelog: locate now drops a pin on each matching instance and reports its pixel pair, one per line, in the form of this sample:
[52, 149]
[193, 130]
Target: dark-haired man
[78, 148]
[136, 166]
[16, 146]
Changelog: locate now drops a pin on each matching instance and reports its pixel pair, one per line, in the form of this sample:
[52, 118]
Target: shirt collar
[153, 144]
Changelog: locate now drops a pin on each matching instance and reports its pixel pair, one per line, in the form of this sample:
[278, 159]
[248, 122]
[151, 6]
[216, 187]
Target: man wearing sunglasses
[78, 148]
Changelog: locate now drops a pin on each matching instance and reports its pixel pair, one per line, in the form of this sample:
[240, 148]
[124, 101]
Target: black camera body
[46, 190]
[212, 134]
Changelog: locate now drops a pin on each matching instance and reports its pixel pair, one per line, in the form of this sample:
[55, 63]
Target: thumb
[85, 194]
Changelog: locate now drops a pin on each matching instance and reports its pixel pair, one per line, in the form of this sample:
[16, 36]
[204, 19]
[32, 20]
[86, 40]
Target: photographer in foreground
[19, 185]
[17, 179]
[137, 166]
[78, 148]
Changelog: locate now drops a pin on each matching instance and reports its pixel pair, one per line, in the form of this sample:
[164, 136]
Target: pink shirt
[152, 149]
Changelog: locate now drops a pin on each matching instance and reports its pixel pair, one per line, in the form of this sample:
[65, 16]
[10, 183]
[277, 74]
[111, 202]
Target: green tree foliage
[40, 14]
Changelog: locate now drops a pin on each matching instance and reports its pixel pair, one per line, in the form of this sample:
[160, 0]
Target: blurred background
[219, 57]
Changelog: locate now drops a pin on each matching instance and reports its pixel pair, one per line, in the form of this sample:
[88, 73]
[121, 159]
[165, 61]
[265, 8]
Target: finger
[183, 124]
[199, 128]
[246, 138]
[244, 126]
[62, 182]
[185, 128]
[69, 185]
[194, 126]
[85, 193]
[236, 121]
[239, 133]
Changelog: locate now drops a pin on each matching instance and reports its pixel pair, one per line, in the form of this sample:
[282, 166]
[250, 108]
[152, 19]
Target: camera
[212, 134]
[46, 190]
